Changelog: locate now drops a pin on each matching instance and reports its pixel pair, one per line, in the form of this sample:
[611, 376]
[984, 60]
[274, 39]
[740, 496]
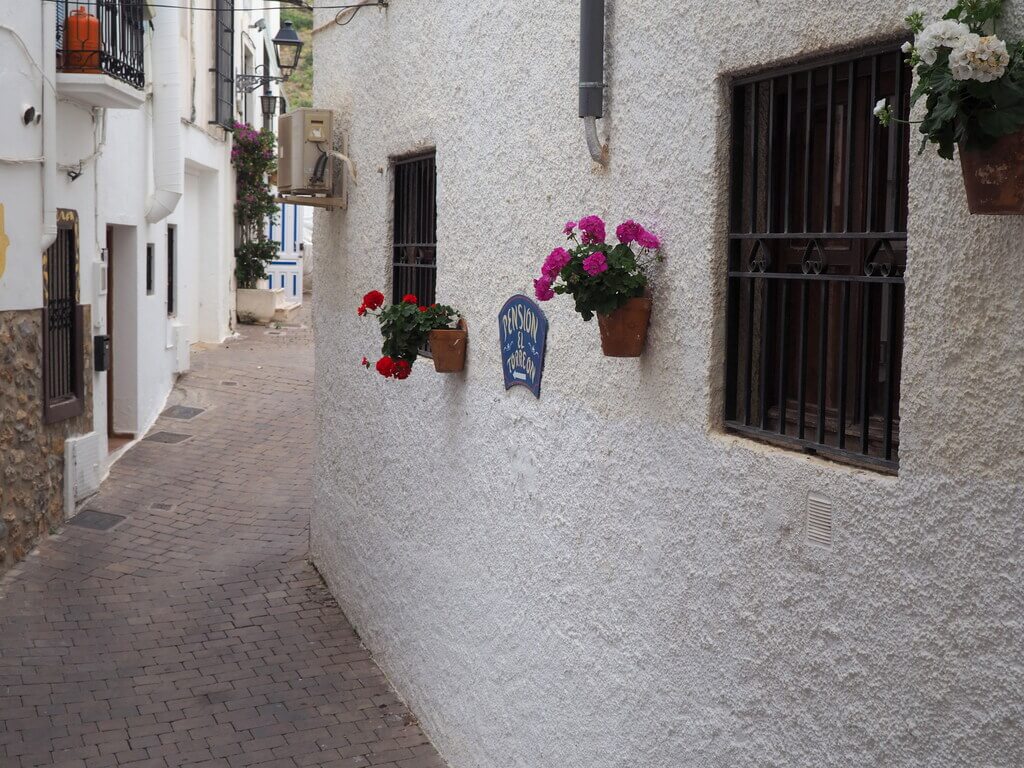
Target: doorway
[121, 327]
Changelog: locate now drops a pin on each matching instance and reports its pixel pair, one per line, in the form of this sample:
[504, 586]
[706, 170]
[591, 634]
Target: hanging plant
[973, 86]
[608, 280]
[253, 156]
[406, 327]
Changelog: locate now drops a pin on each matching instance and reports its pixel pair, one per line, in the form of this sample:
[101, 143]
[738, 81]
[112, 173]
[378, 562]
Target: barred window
[817, 250]
[63, 326]
[414, 263]
[224, 64]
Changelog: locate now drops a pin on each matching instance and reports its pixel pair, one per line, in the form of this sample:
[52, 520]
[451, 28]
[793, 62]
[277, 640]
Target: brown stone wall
[31, 453]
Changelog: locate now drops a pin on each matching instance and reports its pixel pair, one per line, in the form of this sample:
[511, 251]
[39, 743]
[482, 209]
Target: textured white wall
[604, 578]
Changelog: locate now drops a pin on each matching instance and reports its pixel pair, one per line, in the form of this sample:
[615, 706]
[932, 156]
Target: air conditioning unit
[305, 141]
[83, 469]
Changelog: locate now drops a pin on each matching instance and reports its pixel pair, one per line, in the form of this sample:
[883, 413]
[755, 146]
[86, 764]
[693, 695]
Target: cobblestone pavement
[194, 632]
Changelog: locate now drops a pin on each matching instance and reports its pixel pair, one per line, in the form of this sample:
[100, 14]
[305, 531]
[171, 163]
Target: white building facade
[612, 574]
[116, 154]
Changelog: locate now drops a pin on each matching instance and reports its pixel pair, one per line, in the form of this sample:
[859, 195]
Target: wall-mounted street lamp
[287, 49]
[269, 103]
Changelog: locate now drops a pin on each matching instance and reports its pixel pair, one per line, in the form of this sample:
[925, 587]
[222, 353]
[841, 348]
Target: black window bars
[63, 326]
[224, 64]
[414, 262]
[817, 251]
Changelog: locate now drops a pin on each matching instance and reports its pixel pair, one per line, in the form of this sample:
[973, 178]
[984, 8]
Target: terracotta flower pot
[624, 331]
[994, 177]
[448, 346]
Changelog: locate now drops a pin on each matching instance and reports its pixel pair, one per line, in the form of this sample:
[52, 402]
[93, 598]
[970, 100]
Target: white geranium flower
[883, 112]
[907, 47]
[941, 34]
[979, 58]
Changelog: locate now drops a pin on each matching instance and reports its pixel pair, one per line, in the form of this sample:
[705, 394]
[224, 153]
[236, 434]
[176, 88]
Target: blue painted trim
[295, 227]
[284, 263]
[284, 222]
[295, 285]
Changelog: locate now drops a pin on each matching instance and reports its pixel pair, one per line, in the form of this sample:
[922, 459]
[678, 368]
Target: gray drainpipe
[592, 74]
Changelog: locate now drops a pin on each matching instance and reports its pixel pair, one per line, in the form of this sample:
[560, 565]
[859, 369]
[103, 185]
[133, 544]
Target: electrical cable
[282, 6]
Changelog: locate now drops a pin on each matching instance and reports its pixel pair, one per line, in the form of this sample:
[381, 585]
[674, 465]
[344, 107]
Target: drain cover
[168, 437]
[183, 412]
[95, 520]
[230, 383]
[162, 507]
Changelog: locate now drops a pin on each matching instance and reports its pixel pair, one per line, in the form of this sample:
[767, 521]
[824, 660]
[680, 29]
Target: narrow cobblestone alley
[194, 632]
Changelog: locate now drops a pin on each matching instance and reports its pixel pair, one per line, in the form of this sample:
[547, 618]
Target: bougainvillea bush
[972, 82]
[253, 155]
[601, 277]
[404, 327]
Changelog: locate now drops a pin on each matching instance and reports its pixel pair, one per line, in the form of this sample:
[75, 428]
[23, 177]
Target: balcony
[100, 52]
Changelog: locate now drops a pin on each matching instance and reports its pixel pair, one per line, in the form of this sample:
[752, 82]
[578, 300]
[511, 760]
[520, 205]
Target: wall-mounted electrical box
[305, 141]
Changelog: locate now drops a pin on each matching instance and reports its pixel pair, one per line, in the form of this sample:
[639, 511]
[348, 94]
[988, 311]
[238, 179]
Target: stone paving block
[194, 632]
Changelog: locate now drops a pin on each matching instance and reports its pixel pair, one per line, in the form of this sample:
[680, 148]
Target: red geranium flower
[410, 298]
[373, 300]
[423, 309]
[362, 310]
[402, 369]
[365, 363]
[386, 367]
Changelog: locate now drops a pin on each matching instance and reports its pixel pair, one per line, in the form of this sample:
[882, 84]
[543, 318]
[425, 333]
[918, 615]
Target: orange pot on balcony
[82, 43]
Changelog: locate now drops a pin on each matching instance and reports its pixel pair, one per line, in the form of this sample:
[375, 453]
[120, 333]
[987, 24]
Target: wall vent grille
[819, 521]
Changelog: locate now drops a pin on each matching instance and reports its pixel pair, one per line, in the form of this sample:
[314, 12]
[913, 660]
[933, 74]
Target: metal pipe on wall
[592, 13]
[49, 169]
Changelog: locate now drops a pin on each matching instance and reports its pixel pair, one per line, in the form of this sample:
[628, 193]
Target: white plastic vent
[82, 469]
[819, 521]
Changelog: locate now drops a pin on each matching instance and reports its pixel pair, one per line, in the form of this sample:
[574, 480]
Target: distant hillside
[299, 88]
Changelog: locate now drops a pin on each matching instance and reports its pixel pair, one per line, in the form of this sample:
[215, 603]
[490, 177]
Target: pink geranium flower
[542, 288]
[555, 262]
[593, 229]
[647, 239]
[595, 264]
[628, 231]
[570, 227]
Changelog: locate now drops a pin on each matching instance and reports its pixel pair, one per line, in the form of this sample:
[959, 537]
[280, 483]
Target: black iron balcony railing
[102, 37]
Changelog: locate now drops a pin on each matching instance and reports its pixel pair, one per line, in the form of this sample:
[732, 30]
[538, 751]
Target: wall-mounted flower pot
[624, 331]
[448, 346]
[994, 176]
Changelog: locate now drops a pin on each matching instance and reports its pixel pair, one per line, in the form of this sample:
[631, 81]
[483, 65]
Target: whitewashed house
[117, 195]
[677, 560]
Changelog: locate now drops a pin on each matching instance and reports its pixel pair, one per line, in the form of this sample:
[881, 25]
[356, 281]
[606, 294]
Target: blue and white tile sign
[523, 330]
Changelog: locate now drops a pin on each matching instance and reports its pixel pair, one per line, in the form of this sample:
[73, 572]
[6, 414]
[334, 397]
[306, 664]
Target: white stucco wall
[21, 287]
[603, 577]
[114, 151]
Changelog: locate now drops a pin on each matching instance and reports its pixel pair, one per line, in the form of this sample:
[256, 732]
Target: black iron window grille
[414, 263]
[224, 64]
[63, 326]
[817, 251]
[172, 269]
[102, 37]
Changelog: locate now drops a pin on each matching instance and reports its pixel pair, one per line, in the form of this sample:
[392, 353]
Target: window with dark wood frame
[63, 326]
[224, 63]
[817, 251]
[172, 269]
[150, 269]
[414, 262]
